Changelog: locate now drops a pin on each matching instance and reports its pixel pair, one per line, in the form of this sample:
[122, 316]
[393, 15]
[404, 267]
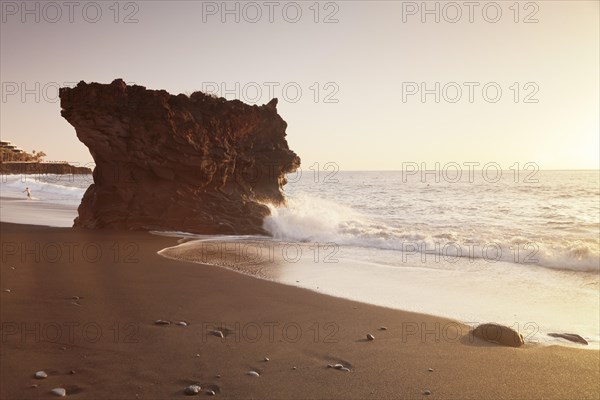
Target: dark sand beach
[82, 307]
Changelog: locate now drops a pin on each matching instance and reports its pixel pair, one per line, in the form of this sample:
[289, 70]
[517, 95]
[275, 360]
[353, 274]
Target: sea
[516, 247]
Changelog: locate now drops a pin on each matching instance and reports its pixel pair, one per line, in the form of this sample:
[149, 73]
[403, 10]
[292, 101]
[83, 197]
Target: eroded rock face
[197, 164]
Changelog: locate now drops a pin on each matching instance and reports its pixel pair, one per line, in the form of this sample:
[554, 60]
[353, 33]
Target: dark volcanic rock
[499, 334]
[572, 337]
[197, 164]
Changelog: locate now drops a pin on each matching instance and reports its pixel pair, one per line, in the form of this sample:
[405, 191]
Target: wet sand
[20, 210]
[86, 301]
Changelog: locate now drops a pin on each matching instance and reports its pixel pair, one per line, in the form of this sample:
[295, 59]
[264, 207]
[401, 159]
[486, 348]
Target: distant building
[11, 153]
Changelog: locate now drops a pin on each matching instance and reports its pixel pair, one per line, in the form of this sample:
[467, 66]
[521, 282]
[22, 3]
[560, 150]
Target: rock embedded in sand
[572, 337]
[499, 334]
[218, 334]
[60, 392]
[253, 373]
[161, 322]
[7, 290]
[195, 163]
[192, 390]
[41, 375]
[383, 328]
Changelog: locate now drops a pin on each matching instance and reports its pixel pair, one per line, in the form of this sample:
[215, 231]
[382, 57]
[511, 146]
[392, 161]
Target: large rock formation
[197, 164]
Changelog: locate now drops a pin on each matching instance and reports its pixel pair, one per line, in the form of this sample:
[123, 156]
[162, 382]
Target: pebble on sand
[41, 375]
[60, 392]
[294, 368]
[7, 290]
[430, 370]
[218, 333]
[267, 359]
[192, 390]
[181, 323]
[427, 392]
[339, 366]
[370, 337]
[253, 373]
[72, 372]
[383, 328]
[210, 392]
[161, 322]
[499, 334]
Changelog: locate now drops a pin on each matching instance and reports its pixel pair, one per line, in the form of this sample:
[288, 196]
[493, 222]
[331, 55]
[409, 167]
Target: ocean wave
[312, 219]
[58, 189]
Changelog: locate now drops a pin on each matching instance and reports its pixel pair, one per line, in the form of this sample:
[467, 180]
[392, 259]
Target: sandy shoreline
[20, 210]
[109, 339]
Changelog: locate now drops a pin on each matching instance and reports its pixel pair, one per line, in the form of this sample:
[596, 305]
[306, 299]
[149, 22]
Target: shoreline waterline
[478, 294]
[300, 331]
[372, 238]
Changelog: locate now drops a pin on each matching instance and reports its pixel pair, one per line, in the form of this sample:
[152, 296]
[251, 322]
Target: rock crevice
[194, 163]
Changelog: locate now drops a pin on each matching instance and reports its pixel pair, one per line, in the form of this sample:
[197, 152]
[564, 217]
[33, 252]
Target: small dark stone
[571, 337]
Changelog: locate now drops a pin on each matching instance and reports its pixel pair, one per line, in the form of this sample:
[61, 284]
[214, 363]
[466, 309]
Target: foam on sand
[533, 300]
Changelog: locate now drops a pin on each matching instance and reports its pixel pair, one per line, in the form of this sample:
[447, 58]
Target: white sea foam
[314, 219]
[49, 188]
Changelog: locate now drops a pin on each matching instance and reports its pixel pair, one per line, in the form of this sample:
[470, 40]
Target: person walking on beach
[28, 193]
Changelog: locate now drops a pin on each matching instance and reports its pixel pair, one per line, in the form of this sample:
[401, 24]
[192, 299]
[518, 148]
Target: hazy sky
[361, 67]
